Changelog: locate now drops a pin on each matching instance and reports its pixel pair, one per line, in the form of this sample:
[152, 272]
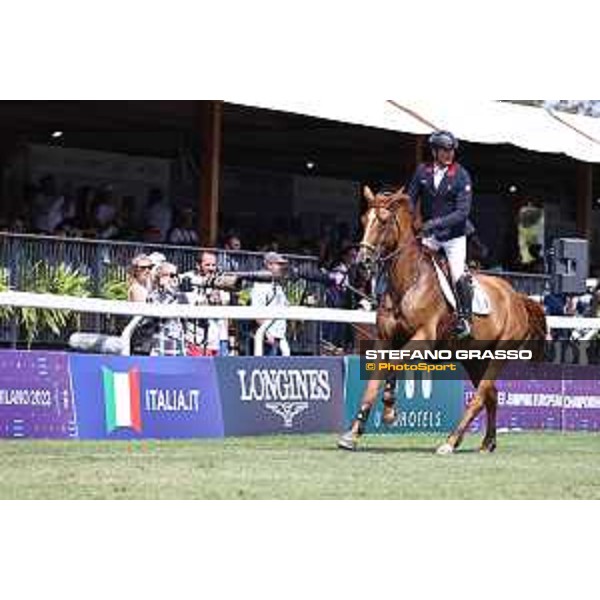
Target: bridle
[377, 251]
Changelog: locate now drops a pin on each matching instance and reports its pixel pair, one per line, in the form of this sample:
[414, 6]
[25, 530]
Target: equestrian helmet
[444, 140]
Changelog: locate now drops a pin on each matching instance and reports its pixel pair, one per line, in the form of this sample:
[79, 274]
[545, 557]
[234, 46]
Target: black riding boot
[464, 309]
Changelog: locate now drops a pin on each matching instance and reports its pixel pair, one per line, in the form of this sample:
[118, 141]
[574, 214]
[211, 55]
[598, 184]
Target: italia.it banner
[144, 397]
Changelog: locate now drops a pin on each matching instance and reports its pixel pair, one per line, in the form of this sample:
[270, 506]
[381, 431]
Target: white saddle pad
[481, 301]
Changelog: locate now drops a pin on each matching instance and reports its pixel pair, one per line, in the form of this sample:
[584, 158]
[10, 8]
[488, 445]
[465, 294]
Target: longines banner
[143, 397]
[281, 395]
[425, 404]
[35, 395]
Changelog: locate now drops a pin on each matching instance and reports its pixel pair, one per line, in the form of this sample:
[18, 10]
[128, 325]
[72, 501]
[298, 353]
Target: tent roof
[480, 121]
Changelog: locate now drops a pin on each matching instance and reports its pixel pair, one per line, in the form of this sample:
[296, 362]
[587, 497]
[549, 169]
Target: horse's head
[387, 219]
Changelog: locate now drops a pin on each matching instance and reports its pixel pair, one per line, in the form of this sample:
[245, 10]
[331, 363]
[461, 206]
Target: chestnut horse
[413, 308]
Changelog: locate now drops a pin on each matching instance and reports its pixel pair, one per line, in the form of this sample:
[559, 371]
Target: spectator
[168, 338]
[86, 196]
[206, 337]
[184, 233]
[139, 279]
[159, 213]
[126, 219]
[537, 264]
[227, 262]
[48, 207]
[272, 294]
[477, 251]
[104, 215]
[151, 235]
[157, 259]
[233, 243]
[18, 224]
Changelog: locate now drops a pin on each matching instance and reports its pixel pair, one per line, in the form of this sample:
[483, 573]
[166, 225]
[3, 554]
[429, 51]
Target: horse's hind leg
[489, 443]
[456, 437]
[485, 395]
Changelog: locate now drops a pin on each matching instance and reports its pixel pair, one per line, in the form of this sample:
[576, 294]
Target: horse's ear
[369, 195]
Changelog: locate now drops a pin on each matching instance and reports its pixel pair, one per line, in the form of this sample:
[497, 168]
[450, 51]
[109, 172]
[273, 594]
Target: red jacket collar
[452, 169]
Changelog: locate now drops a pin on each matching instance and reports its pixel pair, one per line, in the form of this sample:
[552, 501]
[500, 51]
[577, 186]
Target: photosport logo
[285, 392]
[122, 399]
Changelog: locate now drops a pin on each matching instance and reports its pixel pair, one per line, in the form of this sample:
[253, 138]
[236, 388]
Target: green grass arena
[526, 466]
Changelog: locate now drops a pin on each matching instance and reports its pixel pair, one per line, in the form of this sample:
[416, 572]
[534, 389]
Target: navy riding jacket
[448, 207]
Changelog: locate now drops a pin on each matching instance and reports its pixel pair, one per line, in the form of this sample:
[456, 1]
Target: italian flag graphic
[122, 399]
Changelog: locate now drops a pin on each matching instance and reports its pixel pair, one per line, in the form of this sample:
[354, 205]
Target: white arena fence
[240, 313]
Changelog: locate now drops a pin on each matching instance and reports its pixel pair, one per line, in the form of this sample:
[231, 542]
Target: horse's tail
[537, 327]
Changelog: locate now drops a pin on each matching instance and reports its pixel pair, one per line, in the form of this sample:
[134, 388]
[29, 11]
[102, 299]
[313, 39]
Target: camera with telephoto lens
[319, 276]
[212, 281]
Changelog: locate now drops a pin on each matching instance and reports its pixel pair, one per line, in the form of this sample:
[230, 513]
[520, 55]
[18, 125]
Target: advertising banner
[581, 407]
[424, 403]
[35, 395]
[146, 397]
[281, 395]
[529, 397]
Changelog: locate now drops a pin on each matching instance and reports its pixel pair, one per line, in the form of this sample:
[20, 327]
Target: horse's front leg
[387, 328]
[390, 413]
[349, 440]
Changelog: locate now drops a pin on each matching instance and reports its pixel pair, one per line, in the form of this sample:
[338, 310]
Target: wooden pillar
[584, 200]
[419, 150]
[210, 170]
[12, 148]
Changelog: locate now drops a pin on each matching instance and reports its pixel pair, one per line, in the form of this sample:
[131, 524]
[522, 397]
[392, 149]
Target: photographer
[272, 294]
[168, 336]
[203, 286]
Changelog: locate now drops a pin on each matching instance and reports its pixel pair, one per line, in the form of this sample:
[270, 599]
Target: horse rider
[445, 191]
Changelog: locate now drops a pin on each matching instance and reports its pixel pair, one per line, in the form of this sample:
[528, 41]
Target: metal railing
[105, 261]
[102, 262]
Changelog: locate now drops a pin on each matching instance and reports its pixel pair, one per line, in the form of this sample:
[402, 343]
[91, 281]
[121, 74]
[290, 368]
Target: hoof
[389, 416]
[487, 448]
[445, 450]
[348, 442]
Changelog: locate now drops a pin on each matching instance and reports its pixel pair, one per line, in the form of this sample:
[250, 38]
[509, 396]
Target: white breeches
[456, 251]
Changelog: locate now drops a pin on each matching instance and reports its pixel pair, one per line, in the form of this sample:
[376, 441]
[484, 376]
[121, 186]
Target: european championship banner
[35, 395]
[424, 403]
[529, 397]
[275, 395]
[146, 397]
[581, 401]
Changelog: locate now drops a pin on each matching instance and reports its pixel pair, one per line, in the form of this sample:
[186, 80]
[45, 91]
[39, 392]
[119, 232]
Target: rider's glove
[429, 226]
